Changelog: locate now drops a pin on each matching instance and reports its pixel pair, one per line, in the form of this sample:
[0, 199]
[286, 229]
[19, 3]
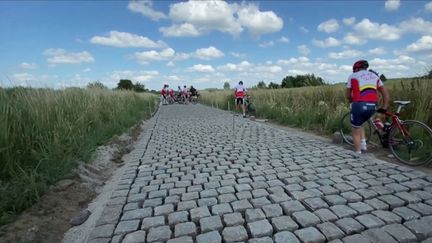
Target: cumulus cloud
[61, 56]
[416, 25]
[373, 30]
[424, 45]
[351, 38]
[240, 67]
[344, 54]
[428, 7]
[146, 56]
[303, 49]
[124, 39]
[20, 77]
[258, 22]
[349, 21]
[402, 62]
[283, 39]
[329, 42]
[267, 44]
[238, 55]
[208, 53]
[176, 30]
[392, 5]
[377, 51]
[194, 18]
[329, 26]
[145, 8]
[135, 76]
[202, 68]
[26, 65]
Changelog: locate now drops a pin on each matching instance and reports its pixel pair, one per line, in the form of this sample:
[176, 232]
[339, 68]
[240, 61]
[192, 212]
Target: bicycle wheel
[345, 129]
[413, 148]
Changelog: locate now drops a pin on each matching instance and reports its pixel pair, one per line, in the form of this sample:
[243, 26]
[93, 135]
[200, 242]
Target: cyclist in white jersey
[240, 93]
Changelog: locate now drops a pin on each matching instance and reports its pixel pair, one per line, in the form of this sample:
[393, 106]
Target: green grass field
[45, 132]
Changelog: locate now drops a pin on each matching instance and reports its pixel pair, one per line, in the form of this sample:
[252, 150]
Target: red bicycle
[410, 141]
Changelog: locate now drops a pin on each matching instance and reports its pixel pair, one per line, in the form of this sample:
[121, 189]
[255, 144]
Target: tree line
[289, 82]
[123, 84]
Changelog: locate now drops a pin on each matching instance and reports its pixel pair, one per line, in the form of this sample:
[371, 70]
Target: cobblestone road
[195, 179]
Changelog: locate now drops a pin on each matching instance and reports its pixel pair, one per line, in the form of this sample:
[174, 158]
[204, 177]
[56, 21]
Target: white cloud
[424, 45]
[145, 8]
[392, 5]
[61, 56]
[134, 76]
[26, 65]
[202, 68]
[269, 69]
[416, 25]
[372, 30]
[394, 65]
[86, 70]
[352, 39]
[208, 53]
[349, 21]
[21, 77]
[304, 30]
[147, 56]
[377, 51]
[283, 39]
[258, 22]
[241, 67]
[176, 30]
[238, 55]
[266, 44]
[206, 15]
[329, 26]
[428, 7]
[124, 39]
[344, 54]
[293, 60]
[303, 49]
[329, 42]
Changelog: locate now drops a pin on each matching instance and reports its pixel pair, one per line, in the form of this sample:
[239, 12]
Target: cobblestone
[210, 237]
[235, 233]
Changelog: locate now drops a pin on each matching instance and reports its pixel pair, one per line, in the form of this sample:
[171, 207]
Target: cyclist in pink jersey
[240, 93]
[362, 90]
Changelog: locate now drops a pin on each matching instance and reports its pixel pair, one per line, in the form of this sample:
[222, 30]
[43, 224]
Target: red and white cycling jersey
[364, 85]
[240, 91]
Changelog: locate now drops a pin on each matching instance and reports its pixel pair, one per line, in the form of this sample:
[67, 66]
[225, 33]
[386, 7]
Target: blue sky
[206, 43]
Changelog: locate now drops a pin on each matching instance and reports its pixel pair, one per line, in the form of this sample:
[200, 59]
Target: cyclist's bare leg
[244, 109]
[363, 145]
[357, 133]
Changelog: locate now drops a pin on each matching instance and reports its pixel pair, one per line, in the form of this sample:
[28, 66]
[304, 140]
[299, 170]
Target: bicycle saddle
[400, 102]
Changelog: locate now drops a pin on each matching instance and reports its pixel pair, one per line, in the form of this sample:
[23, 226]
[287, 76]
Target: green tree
[96, 85]
[125, 84]
[139, 87]
[261, 85]
[273, 85]
[301, 81]
[226, 85]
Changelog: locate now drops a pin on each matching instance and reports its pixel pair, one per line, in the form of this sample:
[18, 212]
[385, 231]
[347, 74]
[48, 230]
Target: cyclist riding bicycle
[164, 94]
[362, 90]
[240, 93]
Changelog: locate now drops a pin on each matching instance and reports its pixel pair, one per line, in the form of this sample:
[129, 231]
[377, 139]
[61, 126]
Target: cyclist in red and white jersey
[362, 90]
[240, 94]
[164, 93]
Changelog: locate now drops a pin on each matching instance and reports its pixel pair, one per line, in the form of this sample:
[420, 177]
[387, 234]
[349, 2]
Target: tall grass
[321, 108]
[43, 133]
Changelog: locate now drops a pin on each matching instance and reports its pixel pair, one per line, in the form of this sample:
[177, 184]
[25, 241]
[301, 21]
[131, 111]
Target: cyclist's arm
[348, 94]
[386, 97]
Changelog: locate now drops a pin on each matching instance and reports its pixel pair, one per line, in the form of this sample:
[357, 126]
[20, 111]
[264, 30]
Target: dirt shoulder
[49, 219]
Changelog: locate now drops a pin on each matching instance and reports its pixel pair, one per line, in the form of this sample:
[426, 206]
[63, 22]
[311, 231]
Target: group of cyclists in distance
[183, 95]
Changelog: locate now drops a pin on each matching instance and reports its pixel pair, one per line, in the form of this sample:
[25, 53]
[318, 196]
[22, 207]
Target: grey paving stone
[233, 219]
[315, 203]
[285, 237]
[161, 233]
[361, 207]
[209, 237]
[244, 195]
[185, 229]
[328, 190]
[164, 209]
[127, 226]
[102, 231]
[335, 200]
[377, 204]
[227, 198]
[252, 215]
[420, 228]
[349, 226]
[284, 223]
[260, 228]
[305, 218]
[378, 235]
[234, 233]
[210, 224]
[241, 205]
[220, 209]
[259, 202]
[178, 217]
[208, 193]
[366, 193]
[392, 201]
[197, 213]
[137, 214]
[186, 205]
[210, 201]
[406, 214]
[330, 231]
[272, 210]
[265, 239]
[150, 222]
[408, 197]
[421, 208]
[135, 237]
[387, 217]
[343, 211]
[370, 221]
[400, 233]
[325, 215]
[290, 207]
[279, 197]
[424, 195]
[351, 197]
[355, 239]
[183, 239]
[310, 235]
